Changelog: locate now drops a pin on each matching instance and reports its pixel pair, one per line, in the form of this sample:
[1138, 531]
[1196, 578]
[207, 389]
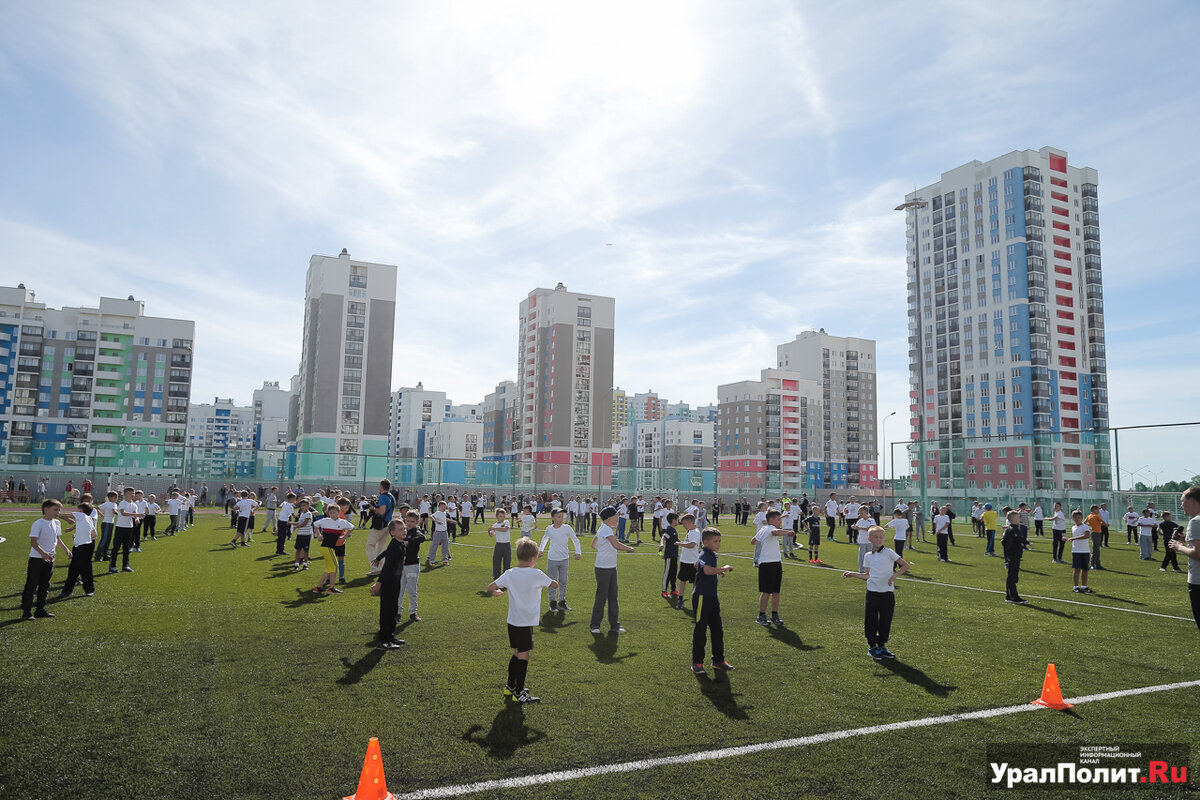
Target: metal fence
[1133, 459]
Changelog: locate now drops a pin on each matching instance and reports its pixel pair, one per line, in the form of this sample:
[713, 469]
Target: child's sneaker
[562, 606]
[526, 697]
[775, 620]
[761, 619]
[883, 652]
[553, 606]
[724, 666]
[698, 669]
[668, 594]
[596, 629]
[1087, 590]
[874, 653]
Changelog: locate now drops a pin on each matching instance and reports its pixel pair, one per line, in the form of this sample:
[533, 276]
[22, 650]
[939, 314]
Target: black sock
[512, 672]
[522, 671]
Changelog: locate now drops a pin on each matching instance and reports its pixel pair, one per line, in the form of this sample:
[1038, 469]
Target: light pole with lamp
[883, 426]
[1130, 473]
[910, 209]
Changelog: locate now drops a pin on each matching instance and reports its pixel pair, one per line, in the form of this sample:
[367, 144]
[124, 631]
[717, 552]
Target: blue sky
[742, 158]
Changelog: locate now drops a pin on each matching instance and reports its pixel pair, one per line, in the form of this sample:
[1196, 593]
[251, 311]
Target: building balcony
[101, 358]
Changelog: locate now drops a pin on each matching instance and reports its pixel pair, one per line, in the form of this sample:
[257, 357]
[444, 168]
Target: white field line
[751, 749]
[919, 582]
[11, 522]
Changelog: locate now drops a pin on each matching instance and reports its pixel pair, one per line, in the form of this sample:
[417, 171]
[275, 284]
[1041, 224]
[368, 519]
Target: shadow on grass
[916, 677]
[791, 638]
[284, 570]
[508, 733]
[357, 670]
[1055, 612]
[1118, 599]
[605, 648]
[303, 598]
[720, 693]
[15, 621]
[552, 622]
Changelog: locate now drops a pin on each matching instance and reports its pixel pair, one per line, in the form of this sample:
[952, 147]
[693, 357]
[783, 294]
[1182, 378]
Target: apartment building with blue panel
[1008, 377]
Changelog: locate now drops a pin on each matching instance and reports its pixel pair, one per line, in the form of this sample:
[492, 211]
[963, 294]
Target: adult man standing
[831, 510]
[381, 515]
[1191, 507]
[272, 503]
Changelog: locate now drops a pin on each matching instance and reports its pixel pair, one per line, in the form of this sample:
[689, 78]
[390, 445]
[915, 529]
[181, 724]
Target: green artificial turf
[213, 672]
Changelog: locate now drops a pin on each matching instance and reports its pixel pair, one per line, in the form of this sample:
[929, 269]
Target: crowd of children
[687, 543]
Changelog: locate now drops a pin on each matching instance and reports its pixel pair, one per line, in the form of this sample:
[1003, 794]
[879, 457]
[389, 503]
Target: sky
[727, 171]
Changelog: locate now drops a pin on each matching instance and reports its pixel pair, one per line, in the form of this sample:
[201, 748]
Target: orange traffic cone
[1051, 693]
[371, 785]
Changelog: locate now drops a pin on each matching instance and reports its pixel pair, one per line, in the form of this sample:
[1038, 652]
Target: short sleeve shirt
[878, 566]
[606, 553]
[46, 532]
[524, 586]
[689, 555]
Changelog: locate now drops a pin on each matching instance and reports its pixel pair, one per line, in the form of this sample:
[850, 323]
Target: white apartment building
[563, 429]
[410, 410]
[845, 368]
[346, 369]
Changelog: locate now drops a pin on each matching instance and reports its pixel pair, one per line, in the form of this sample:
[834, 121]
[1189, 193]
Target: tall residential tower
[563, 428]
[345, 369]
[1008, 376]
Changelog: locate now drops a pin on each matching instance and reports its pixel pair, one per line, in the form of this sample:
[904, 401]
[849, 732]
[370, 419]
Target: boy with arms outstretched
[524, 584]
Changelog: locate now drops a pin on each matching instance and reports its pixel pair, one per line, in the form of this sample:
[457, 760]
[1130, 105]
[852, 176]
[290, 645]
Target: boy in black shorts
[770, 568]
[524, 583]
[303, 531]
[813, 521]
[668, 544]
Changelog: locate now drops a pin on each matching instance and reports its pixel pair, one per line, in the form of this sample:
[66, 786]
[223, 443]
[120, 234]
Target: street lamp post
[883, 425]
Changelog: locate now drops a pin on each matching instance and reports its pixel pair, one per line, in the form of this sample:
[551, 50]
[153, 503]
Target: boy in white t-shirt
[760, 519]
[173, 506]
[689, 554]
[880, 574]
[108, 511]
[899, 524]
[441, 536]
[770, 567]
[1131, 524]
[150, 522]
[501, 531]
[82, 523]
[524, 585]
[127, 514]
[1081, 552]
[245, 510]
[45, 536]
[559, 537]
[860, 526]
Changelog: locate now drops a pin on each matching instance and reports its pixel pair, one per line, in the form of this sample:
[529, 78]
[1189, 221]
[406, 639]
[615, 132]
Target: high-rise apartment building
[221, 441]
[563, 430]
[346, 369]
[85, 390]
[499, 414]
[766, 430]
[1006, 327]
[845, 367]
[410, 409]
[272, 406]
